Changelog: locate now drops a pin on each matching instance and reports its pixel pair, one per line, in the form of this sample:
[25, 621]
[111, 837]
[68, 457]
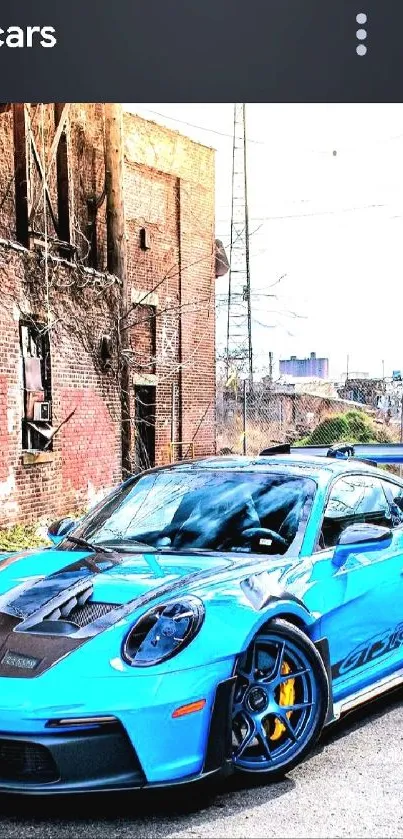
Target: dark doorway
[145, 426]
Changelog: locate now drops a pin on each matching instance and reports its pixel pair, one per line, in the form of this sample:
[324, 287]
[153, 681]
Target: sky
[330, 224]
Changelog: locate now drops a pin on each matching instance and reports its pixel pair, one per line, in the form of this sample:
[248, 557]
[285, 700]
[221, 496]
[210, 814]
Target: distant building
[312, 367]
[315, 387]
[366, 391]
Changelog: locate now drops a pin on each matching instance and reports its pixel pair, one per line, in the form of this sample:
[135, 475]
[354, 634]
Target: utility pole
[247, 262]
[117, 259]
[239, 315]
[244, 416]
[271, 368]
[115, 215]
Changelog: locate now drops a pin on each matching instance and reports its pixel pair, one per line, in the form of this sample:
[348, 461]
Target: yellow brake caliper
[287, 697]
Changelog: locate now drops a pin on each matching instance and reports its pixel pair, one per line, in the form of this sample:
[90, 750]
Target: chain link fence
[249, 421]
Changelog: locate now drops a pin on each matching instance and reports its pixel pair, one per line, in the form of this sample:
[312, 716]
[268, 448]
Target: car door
[361, 603]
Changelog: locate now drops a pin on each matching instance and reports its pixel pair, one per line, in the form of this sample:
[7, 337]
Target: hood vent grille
[77, 617]
[89, 612]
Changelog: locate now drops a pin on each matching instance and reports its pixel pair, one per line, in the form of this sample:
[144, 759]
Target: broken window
[21, 174]
[31, 179]
[37, 430]
[62, 167]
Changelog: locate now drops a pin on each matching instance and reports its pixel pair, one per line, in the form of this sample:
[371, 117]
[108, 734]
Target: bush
[351, 427]
[21, 537]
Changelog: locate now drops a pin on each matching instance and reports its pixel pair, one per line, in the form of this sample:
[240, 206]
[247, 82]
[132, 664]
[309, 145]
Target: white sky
[344, 260]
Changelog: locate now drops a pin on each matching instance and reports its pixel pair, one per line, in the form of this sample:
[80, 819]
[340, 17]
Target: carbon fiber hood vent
[83, 615]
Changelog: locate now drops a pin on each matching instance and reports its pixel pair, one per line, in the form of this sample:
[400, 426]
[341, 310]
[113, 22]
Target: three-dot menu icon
[361, 33]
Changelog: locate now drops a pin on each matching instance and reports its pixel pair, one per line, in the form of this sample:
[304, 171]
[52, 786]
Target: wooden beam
[21, 173]
[115, 216]
[39, 167]
[61, 114]
[61, 120]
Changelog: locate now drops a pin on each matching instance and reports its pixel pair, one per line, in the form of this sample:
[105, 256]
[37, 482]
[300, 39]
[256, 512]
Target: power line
[224, 133]
[201, 127]
[330, 151]
[313, 214]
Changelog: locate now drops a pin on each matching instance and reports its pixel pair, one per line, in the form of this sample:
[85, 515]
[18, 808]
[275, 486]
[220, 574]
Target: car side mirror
[360, 538]
[59, 529]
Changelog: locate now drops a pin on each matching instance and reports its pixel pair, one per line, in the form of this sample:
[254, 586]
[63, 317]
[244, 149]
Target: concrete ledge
[144, 298]
[148, 379]
[33, 458]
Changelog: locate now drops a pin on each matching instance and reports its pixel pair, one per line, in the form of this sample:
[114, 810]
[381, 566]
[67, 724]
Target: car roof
[319, 468]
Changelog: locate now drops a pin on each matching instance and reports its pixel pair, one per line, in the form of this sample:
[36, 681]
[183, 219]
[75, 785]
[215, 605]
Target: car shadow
[195, 803]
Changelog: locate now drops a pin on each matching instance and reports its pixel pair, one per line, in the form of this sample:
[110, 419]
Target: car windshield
[182, 509]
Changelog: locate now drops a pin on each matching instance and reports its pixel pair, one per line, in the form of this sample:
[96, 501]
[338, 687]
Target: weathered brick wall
[7, 222]
[86, 453]
[198, 351]
[11, 271]
[170, 192]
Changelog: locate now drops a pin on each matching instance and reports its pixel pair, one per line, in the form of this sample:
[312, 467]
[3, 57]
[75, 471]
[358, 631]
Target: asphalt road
[352, 785]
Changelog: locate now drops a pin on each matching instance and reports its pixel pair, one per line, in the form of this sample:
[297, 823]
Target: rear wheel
[280, 701]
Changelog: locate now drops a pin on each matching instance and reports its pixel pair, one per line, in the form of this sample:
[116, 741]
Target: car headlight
[163, 631]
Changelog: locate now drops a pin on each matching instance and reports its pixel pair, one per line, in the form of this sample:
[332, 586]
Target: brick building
[365, 391]
[66, 331]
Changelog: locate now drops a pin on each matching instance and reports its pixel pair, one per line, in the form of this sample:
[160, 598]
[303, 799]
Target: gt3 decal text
[379, 645]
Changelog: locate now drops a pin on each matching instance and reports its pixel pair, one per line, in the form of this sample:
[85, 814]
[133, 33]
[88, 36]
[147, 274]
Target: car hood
[34, 575]
[50, 607]
[31, 581]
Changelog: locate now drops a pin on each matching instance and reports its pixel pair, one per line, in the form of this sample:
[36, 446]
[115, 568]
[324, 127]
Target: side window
[394, 495]
[354, 498]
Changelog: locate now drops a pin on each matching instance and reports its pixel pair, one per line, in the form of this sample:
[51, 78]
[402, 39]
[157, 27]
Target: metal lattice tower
[239, 355]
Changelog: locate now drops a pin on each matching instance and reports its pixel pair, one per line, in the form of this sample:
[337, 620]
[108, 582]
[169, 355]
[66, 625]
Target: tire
[280, 702]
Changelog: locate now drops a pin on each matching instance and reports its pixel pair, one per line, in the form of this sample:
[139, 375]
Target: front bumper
[102, 757]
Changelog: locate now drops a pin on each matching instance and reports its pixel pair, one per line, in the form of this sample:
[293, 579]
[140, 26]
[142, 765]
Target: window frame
[32, 325]
[317, 548]
[390, 482]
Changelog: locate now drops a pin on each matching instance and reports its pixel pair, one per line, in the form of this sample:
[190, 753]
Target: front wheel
[280, 701]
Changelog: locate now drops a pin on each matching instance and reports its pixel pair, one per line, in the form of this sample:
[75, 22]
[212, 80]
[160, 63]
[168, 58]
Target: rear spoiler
[374, 453]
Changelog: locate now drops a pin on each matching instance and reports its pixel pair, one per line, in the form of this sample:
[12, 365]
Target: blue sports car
[208, 617]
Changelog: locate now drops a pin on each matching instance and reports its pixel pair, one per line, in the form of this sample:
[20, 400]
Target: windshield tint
[187, 508]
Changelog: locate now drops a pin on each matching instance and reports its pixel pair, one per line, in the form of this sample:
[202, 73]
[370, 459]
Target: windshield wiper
[77, 540]
[129, 546]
